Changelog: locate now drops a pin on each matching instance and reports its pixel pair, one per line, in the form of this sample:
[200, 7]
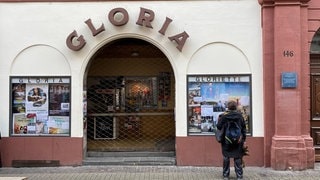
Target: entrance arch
[129, 86]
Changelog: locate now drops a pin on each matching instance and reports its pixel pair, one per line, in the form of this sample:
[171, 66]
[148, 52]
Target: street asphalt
[149, 173]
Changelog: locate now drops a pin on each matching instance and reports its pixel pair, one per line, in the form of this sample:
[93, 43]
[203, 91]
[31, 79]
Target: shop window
[208, 96]
[40, 106]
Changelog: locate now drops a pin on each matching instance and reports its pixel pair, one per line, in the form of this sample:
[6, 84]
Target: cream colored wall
[24, 25]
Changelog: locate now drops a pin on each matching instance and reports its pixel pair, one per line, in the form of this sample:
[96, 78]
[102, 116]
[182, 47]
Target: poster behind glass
[141, 93]
[40, 106]
[208, 96]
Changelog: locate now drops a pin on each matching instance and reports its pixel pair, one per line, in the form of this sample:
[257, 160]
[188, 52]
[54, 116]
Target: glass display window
[40, 106]
[207, 97]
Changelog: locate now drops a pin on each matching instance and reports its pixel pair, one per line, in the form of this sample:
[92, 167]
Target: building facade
[136, 76]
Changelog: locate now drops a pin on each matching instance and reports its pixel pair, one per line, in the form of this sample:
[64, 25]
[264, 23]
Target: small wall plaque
[289, 80]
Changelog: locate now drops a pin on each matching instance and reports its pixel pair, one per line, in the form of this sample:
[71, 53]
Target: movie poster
[58, 125]
[20, 122]
[37, 98]
[19, 98]
[59, 99]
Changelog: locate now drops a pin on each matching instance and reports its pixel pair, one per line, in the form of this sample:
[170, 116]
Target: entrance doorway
[315, 93]
[130, 99]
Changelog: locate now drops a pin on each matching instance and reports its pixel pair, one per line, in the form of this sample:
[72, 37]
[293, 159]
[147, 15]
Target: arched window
[315, 43]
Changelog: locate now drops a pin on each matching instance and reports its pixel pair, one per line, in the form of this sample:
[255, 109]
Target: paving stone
[150, 173]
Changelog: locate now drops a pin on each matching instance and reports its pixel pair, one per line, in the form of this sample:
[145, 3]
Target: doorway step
[95, 158]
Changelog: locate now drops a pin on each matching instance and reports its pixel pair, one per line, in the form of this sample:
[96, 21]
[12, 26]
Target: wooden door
[315, 114]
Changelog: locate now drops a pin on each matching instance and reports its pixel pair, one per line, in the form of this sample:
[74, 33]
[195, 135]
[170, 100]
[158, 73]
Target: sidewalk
[149, 173]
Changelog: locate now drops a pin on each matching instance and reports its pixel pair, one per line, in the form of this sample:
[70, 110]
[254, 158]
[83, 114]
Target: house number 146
[288, 53]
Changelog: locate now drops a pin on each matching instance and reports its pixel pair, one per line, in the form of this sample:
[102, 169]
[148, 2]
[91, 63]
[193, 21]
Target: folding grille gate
[130, 105]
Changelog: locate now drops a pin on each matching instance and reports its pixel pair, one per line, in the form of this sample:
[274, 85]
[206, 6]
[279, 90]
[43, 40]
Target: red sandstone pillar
[291, 144]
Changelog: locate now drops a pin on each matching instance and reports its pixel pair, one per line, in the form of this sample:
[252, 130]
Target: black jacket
[232, 150]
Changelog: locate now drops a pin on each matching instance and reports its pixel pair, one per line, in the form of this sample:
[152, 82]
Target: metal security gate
[130, 99]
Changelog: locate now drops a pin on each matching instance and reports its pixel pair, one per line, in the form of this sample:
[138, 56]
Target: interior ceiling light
[134, 53]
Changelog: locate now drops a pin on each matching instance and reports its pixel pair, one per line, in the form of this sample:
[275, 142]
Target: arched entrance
[130, 102]
[315, 93]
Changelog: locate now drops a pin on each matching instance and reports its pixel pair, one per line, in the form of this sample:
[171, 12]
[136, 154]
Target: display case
[208, 96]
[40, 106]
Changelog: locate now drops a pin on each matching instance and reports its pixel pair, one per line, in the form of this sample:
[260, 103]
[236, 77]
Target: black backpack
[232, 133]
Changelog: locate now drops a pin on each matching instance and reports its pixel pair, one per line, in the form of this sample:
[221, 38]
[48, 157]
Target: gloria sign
[146, 16]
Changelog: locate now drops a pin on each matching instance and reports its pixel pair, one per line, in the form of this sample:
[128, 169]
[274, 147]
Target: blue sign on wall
[288, 80]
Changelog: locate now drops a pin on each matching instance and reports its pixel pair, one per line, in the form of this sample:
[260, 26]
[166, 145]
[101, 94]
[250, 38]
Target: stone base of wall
[206, 151]
[41, 151]
[292, 153]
